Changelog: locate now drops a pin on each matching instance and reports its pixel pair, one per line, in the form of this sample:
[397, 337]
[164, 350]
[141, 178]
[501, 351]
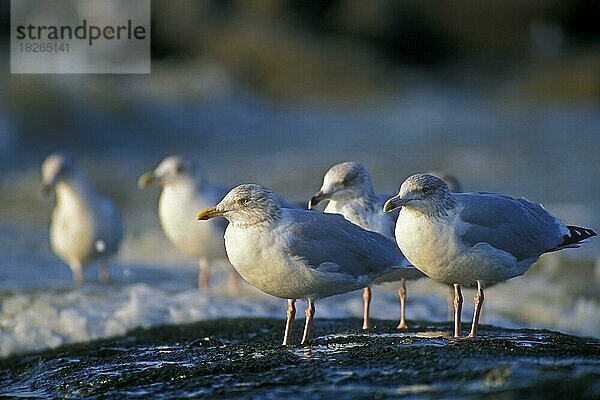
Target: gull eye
[243, 201]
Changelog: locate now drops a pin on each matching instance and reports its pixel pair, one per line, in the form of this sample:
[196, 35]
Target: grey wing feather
[517, 226]
[328, 238]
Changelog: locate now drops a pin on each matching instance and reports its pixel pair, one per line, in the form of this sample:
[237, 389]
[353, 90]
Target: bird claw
[402, 325]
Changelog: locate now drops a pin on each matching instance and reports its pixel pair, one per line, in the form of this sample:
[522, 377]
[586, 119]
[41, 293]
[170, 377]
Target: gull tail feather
[577, 236]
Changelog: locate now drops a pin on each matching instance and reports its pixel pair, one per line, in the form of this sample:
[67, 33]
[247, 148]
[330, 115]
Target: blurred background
[505, 95]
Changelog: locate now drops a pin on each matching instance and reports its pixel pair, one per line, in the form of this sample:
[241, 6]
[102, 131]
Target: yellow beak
[209, 213]
[146, 179]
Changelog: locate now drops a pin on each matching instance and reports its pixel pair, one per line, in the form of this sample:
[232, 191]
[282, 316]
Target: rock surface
[243, 357]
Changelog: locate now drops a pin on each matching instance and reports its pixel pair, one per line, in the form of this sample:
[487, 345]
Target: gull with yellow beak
[85, 226]
[185, 190]
[293, 253]
[474, 239]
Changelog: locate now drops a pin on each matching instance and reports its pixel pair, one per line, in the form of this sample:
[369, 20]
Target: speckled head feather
[452, 181]
[346, 181]
[347, 175]
[250, 204]
[423, 185]
[425, 193]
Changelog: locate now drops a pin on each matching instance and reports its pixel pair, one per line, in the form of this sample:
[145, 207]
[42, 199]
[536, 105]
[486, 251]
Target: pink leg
[402, 294]
[234, 280]
[77, 269]
[103, 274]
[458, 301]
[477, 312]
[291, 314]
[310, 313]
[203, 274]
[450, 303]
[367, 305]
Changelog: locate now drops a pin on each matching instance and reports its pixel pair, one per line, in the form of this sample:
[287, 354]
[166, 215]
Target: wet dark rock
[222, 359]
[204, 342]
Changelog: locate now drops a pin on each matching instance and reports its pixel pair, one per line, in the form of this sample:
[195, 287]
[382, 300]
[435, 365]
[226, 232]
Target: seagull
[474, 239]
[85, 226]
[185, 190]
[293, 253]
[348, 187]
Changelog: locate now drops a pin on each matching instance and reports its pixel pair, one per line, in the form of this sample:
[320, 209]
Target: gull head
[57, 167]
[168, 171]
[246, 205]
[422, 192]
[345, 181]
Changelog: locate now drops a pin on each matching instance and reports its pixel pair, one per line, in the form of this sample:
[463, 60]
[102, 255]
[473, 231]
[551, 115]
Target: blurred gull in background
[85, 226]
[292, 254]
[348, 188]
[474, 239]
[184, 192]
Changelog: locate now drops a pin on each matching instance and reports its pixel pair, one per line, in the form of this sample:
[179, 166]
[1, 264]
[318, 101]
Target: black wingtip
[577, 235]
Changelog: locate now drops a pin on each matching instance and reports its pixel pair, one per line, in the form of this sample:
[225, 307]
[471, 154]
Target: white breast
[259, 258]
[80, 221]
[434, 247]
[333, 207]
[429, 245]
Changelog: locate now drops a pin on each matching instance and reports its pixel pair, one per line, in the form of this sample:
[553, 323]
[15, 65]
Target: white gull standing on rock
[85, 226]
[293, 254]
[474, 239]
[184, 192]
[348, 188]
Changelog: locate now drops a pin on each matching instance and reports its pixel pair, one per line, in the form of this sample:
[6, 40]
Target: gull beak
[146, 179]
[316, 199]
[209, 213]
[394, 203]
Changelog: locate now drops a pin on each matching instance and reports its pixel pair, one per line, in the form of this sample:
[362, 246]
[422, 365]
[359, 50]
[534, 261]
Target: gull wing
[329, 239]
[522, 228]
